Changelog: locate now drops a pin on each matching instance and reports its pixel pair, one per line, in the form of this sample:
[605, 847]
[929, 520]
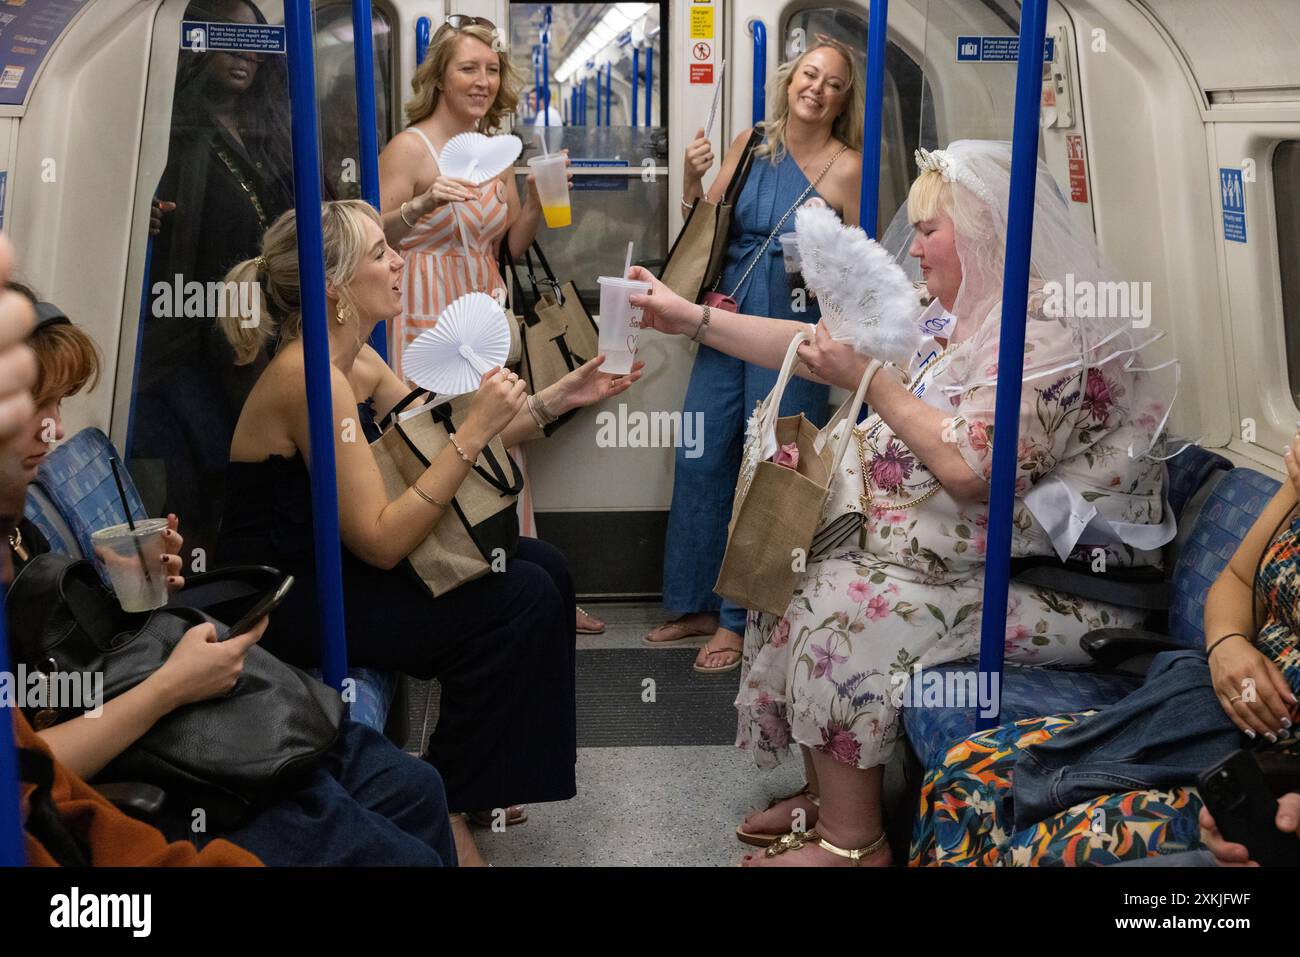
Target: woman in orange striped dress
[448, 230]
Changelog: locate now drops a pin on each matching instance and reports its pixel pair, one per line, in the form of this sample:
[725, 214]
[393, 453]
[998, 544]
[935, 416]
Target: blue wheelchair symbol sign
[1232, 197]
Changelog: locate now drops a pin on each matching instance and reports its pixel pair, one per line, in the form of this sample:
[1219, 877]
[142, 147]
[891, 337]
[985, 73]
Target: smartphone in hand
[1245, 810]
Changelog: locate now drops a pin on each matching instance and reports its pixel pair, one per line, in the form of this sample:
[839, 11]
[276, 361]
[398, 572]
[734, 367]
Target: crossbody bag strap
[776, 231]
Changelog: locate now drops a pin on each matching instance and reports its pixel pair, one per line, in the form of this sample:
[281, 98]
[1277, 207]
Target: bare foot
[783, 817]
[687, 626]
[722, 652]
[589, 624]
[467, 854]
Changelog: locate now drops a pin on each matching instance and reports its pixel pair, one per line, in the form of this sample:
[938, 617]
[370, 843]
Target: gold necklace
[248, 189]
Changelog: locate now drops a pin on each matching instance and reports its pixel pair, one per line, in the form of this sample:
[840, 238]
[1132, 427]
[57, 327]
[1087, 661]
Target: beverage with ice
[133, 560]
[620, 322]
[551, 176]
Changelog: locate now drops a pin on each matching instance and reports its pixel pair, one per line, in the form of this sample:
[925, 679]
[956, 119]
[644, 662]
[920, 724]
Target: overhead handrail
[877, 30]
[1011, 350]
[315, 339]
[758, 29]
[363, 58]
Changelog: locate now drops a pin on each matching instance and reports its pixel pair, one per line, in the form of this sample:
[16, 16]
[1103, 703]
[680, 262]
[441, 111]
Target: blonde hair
[276, 303]
[428, 77]
[847, 127]
[930, 195]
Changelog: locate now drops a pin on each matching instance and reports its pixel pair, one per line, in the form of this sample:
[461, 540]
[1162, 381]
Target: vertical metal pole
[877, 30]
[636, 75]
[363, 53]
[421, 39]
[599, 93]
[315, 339]
[759, 108]
[1011, 348]
[546, 73]
[582, 103]
[11, 820]
[609, 94]
[649, 83]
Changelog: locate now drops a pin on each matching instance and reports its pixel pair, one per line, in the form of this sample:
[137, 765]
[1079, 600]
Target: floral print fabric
[908, 592]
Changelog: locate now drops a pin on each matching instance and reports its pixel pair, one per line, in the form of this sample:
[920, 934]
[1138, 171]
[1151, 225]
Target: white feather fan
[866, 299]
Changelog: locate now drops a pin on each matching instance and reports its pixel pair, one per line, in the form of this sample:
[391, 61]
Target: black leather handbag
[224, 755]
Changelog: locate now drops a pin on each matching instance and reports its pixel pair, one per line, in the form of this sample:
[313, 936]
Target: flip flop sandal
[683, 632]
[759, 839]
[795, 840]
[591, 631]
[484, 818]
[721, 669]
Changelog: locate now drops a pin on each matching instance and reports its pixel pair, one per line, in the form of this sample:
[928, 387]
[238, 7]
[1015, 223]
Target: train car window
[905, 107]
[336, 92]
[228, 176]
[1286, 187]
[618, 145]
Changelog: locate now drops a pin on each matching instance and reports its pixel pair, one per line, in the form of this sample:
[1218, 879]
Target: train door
[215, 156]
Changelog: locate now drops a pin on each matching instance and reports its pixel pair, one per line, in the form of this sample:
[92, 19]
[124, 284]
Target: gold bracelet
[429, 498]
[401, 211]
[703, 326]
[459, 451]
[545, 415]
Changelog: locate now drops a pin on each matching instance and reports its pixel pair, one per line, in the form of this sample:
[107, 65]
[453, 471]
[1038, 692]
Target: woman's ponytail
[246, 320]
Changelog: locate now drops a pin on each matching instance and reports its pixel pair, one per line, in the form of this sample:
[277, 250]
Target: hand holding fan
[866, 298]
[471, 336]
[478, 158]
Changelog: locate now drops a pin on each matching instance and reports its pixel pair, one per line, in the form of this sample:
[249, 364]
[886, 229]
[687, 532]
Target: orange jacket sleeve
[114, 838]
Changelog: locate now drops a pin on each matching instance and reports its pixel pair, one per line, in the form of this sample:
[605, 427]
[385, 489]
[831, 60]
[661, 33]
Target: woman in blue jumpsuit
[810, 151]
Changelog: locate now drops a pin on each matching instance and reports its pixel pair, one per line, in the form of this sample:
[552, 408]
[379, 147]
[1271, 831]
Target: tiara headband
[953, 171]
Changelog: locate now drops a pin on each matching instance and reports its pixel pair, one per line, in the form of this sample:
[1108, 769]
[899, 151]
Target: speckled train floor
[659, 781]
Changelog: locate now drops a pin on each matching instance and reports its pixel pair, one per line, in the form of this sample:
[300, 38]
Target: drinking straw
[121, 493]
[541, 135]
[627, 266]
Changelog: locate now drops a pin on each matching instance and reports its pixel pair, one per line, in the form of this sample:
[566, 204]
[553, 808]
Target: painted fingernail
[1271, 737]
[1250, 734]
[1286, 722]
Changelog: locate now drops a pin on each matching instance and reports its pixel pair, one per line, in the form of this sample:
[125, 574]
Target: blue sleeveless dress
[723, 392]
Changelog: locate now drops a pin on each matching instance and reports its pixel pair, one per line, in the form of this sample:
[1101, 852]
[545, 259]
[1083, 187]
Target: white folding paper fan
[478, 158]
[866, 298]
[471, 336]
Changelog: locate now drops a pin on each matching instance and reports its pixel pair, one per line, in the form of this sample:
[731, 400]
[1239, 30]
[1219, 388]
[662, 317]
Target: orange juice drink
[551, 176]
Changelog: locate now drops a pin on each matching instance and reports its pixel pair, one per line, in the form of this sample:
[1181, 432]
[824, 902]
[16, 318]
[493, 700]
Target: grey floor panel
[645, 806]
[627, 697]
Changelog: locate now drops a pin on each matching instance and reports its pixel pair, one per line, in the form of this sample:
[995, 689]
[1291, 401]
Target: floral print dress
[907, 591]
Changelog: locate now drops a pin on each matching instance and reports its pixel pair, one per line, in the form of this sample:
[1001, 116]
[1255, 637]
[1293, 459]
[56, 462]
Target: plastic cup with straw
[131, 555]
[549, 171]
[620, 321]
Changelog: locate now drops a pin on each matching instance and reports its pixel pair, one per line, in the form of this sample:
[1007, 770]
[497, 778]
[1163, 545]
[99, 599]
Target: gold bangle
[429, 498]
[459, 451]
[544, 415]
[705, 319]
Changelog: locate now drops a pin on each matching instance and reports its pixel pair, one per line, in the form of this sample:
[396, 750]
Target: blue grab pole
[546, 75]
[649, 82]
[11, 822]
[600, 91]
[636, 75]
[315, 339]
[421, 39]
[1011, 348]
[759, 108]
[877, 30]
[609, 94]
[582, 103]
[363, 53]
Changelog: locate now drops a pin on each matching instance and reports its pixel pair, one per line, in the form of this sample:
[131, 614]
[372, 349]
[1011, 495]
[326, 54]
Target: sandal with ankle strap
[758, 839]
[795, 840]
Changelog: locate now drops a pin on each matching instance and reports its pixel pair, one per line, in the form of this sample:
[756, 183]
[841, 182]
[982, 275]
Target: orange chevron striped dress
[450, 252]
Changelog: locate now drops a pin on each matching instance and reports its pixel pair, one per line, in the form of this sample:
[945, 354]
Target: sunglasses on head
[459, 21]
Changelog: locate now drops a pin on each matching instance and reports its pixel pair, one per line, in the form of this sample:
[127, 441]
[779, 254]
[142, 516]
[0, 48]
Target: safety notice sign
[1233, 196]
[701, 72]
[702, 22]
[1078, 169]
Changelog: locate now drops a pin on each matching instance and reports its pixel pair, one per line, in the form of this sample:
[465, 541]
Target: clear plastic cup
[133, 561]
[551, 175]
[620, 322]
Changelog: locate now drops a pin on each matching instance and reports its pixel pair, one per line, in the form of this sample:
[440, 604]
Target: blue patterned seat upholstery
[77, 479]
[74, 495]
[1218, 528]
